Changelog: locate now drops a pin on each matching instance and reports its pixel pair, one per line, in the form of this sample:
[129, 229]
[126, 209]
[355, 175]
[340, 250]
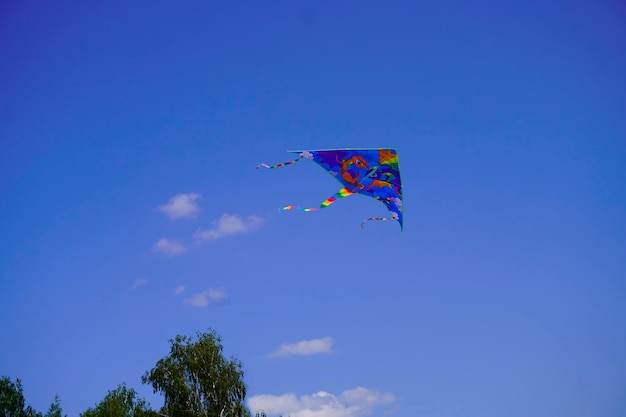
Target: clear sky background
[131, 210]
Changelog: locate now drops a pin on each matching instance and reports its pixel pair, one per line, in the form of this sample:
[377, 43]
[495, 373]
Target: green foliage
[197, 380]
[55, 409]
[12, 400]
[121, 402]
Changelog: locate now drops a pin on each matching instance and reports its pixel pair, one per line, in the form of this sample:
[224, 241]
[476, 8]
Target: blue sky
[131, 210]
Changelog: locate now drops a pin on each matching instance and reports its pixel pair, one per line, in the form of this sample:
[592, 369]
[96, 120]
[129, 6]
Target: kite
[371, 172]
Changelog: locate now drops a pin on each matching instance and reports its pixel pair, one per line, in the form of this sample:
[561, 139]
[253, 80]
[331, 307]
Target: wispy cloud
[204, 298]
[351, 403]
[179, 290]
[138, 283]
[228, 225]
[169, 247]
[304, 347]
[181, 205]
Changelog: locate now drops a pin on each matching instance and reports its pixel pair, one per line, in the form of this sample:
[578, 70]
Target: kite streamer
[377, 219]
[302, 155]
[344, 192]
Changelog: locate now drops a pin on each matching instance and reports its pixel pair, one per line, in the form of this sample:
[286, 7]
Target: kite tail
[302, 155]
[344, 192]
[394, 216]
[298, 208]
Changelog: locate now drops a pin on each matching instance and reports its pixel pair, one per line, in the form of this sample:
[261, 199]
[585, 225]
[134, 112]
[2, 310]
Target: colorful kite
[372, 172]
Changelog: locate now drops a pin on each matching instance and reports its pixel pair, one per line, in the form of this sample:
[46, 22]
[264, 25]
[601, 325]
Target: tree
[198, 381]
[55, 409]
[12, 400]
[121, 402]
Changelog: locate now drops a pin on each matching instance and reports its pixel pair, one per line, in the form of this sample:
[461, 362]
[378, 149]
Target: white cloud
[179, 290]
[304, 347]
[169, 247]
[138, 283]
[229, 225]
[181, 205]
[351, 403]
[203, 299]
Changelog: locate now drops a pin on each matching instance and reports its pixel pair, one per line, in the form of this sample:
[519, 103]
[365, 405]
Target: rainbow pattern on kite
[371, 172]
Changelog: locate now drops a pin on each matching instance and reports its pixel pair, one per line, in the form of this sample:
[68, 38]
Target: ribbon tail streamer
[281, 164]
[394, 216]
[344, 192]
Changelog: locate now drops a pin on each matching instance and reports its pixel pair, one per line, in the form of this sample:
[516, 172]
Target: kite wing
[371, 172]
